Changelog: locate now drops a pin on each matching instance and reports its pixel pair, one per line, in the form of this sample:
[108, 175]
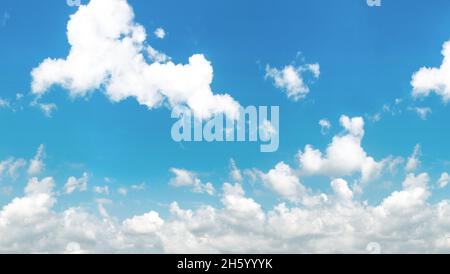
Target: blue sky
[367, 58]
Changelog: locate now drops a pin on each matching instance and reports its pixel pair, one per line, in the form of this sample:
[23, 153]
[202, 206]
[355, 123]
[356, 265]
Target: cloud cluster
[109, 52]
[402, 222]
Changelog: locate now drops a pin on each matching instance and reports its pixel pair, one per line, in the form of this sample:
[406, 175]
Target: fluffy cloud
[109, 52]
[144, 224]
[344, 156]
[185, 178]
[160, 33]
[436, 80]
[74, 184]
[283, 181]
[291, 79]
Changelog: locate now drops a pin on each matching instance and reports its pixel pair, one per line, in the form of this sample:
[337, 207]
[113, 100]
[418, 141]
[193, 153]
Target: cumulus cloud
[404, 221]
[437, 80]
[76, 184]
[291, 79]
[283, 181]
[108, 52]
[185, 178]
[344, 156]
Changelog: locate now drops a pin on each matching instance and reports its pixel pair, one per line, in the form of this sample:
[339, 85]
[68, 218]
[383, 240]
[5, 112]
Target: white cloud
[157, 56]
[423, 112]
[4, 103]
[47, 109]
[122, 191]
[436, 80]
[344, 156]
[235, 173]
[108, 53]
[444, 180]
[160, 33]
[101, 190]
[37, 165]
[284, 182]
[11, 167]
[291, 79]
[101, 203]
[138, 187]
[403, 222]
[185, 178]
[413, 161]
[325, 126]
[76, 184]
[144, 224]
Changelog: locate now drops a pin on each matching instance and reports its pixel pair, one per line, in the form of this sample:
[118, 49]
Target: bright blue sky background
[367, 57]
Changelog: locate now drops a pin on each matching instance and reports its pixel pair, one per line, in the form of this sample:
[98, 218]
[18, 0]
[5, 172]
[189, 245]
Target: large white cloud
[437, 80]
[109, 51]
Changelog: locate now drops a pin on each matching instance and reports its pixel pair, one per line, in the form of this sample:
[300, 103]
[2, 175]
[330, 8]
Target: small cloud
[422, 112]
[185, 178]
[74, 184]
[413, 161]
[47, 109]
[291, 79]
[37, 163]
[160, 33]
[444, 180]
[101, 190]
[4, 103]
[325, 126]
[235, 173]
[138, 187]
[122, 191]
